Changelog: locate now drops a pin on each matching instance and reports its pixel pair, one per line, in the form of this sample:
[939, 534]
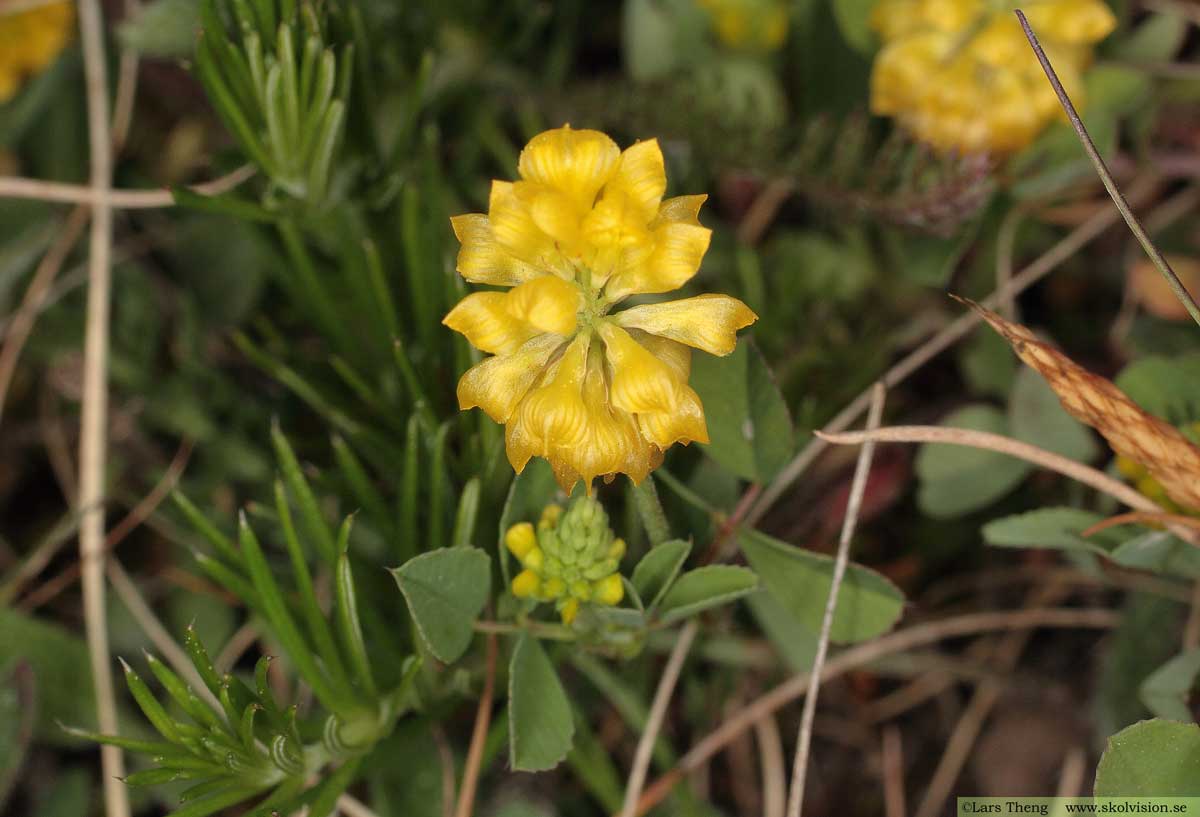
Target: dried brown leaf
[1131, 432]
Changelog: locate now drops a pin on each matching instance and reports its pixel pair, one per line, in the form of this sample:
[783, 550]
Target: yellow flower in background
[1145, 482]
[571, 559]
[960, 75]
[30, 40]
[753, 25]
[594, 392]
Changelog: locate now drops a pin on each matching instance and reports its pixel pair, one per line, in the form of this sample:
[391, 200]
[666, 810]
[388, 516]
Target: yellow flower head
[29, 41]
[594, 392]
[752, 25]
[571, 559]
[960, 75]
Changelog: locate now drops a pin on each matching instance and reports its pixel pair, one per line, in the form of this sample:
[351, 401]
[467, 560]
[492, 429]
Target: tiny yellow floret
[960, 75]
[30, 40]
[526, 585]
[520, 539]
[609, 590]
[593, 391]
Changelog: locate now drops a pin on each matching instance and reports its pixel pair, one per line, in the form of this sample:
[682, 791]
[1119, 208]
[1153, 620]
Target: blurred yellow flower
[753, 25]
[30, 40]
[960, 75]
[594, 392]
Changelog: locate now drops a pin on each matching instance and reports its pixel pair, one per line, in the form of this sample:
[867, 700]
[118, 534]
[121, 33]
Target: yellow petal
[574, 162]
[642, 177]
[708, 322]
[555, 214]
[666, 408]
[612, 443]
[481, 259]
[684, 424]
[617, 238]
[487, 324]
[553, 414]
[678, 250]
[685, 209]
[499, 383]
[517, 233]
[676, 355]
[548, 303]
[640, 381]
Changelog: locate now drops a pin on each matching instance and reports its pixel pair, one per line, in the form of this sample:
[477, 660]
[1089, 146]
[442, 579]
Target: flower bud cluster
[572, 558]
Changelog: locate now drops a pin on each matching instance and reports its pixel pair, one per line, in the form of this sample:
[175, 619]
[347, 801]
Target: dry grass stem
[1073, 777]
[446, 758]
[94, 421]
[353, 807]
[892, 761]
[774, 771]
[658, 712]
[1191, 629]
[138, 515]
[12, 187]
[483, 718]
[1015, 448]
[854, 505]
[23, 319]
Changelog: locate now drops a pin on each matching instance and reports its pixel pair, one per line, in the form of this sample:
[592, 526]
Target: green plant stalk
[1110, 184]
[314, 619]
[406, 542]
[651, 511]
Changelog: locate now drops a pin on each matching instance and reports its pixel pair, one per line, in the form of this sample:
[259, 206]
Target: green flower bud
[575, 560]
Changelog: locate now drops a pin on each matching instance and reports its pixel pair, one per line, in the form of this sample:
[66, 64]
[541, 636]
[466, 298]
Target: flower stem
[650, 509]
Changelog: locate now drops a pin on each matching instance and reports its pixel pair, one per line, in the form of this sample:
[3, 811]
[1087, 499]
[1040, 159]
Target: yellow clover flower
[960, 75]
[594, 392]
[571, 559]
[29, 41]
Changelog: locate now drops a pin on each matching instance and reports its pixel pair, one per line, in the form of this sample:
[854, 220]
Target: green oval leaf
[868, 604]
[1165, 691]
[445, 590]
[1054, 528]
[657, 570]
[706, 587]
[749, 428]
[1154, 758]
[541, 728]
